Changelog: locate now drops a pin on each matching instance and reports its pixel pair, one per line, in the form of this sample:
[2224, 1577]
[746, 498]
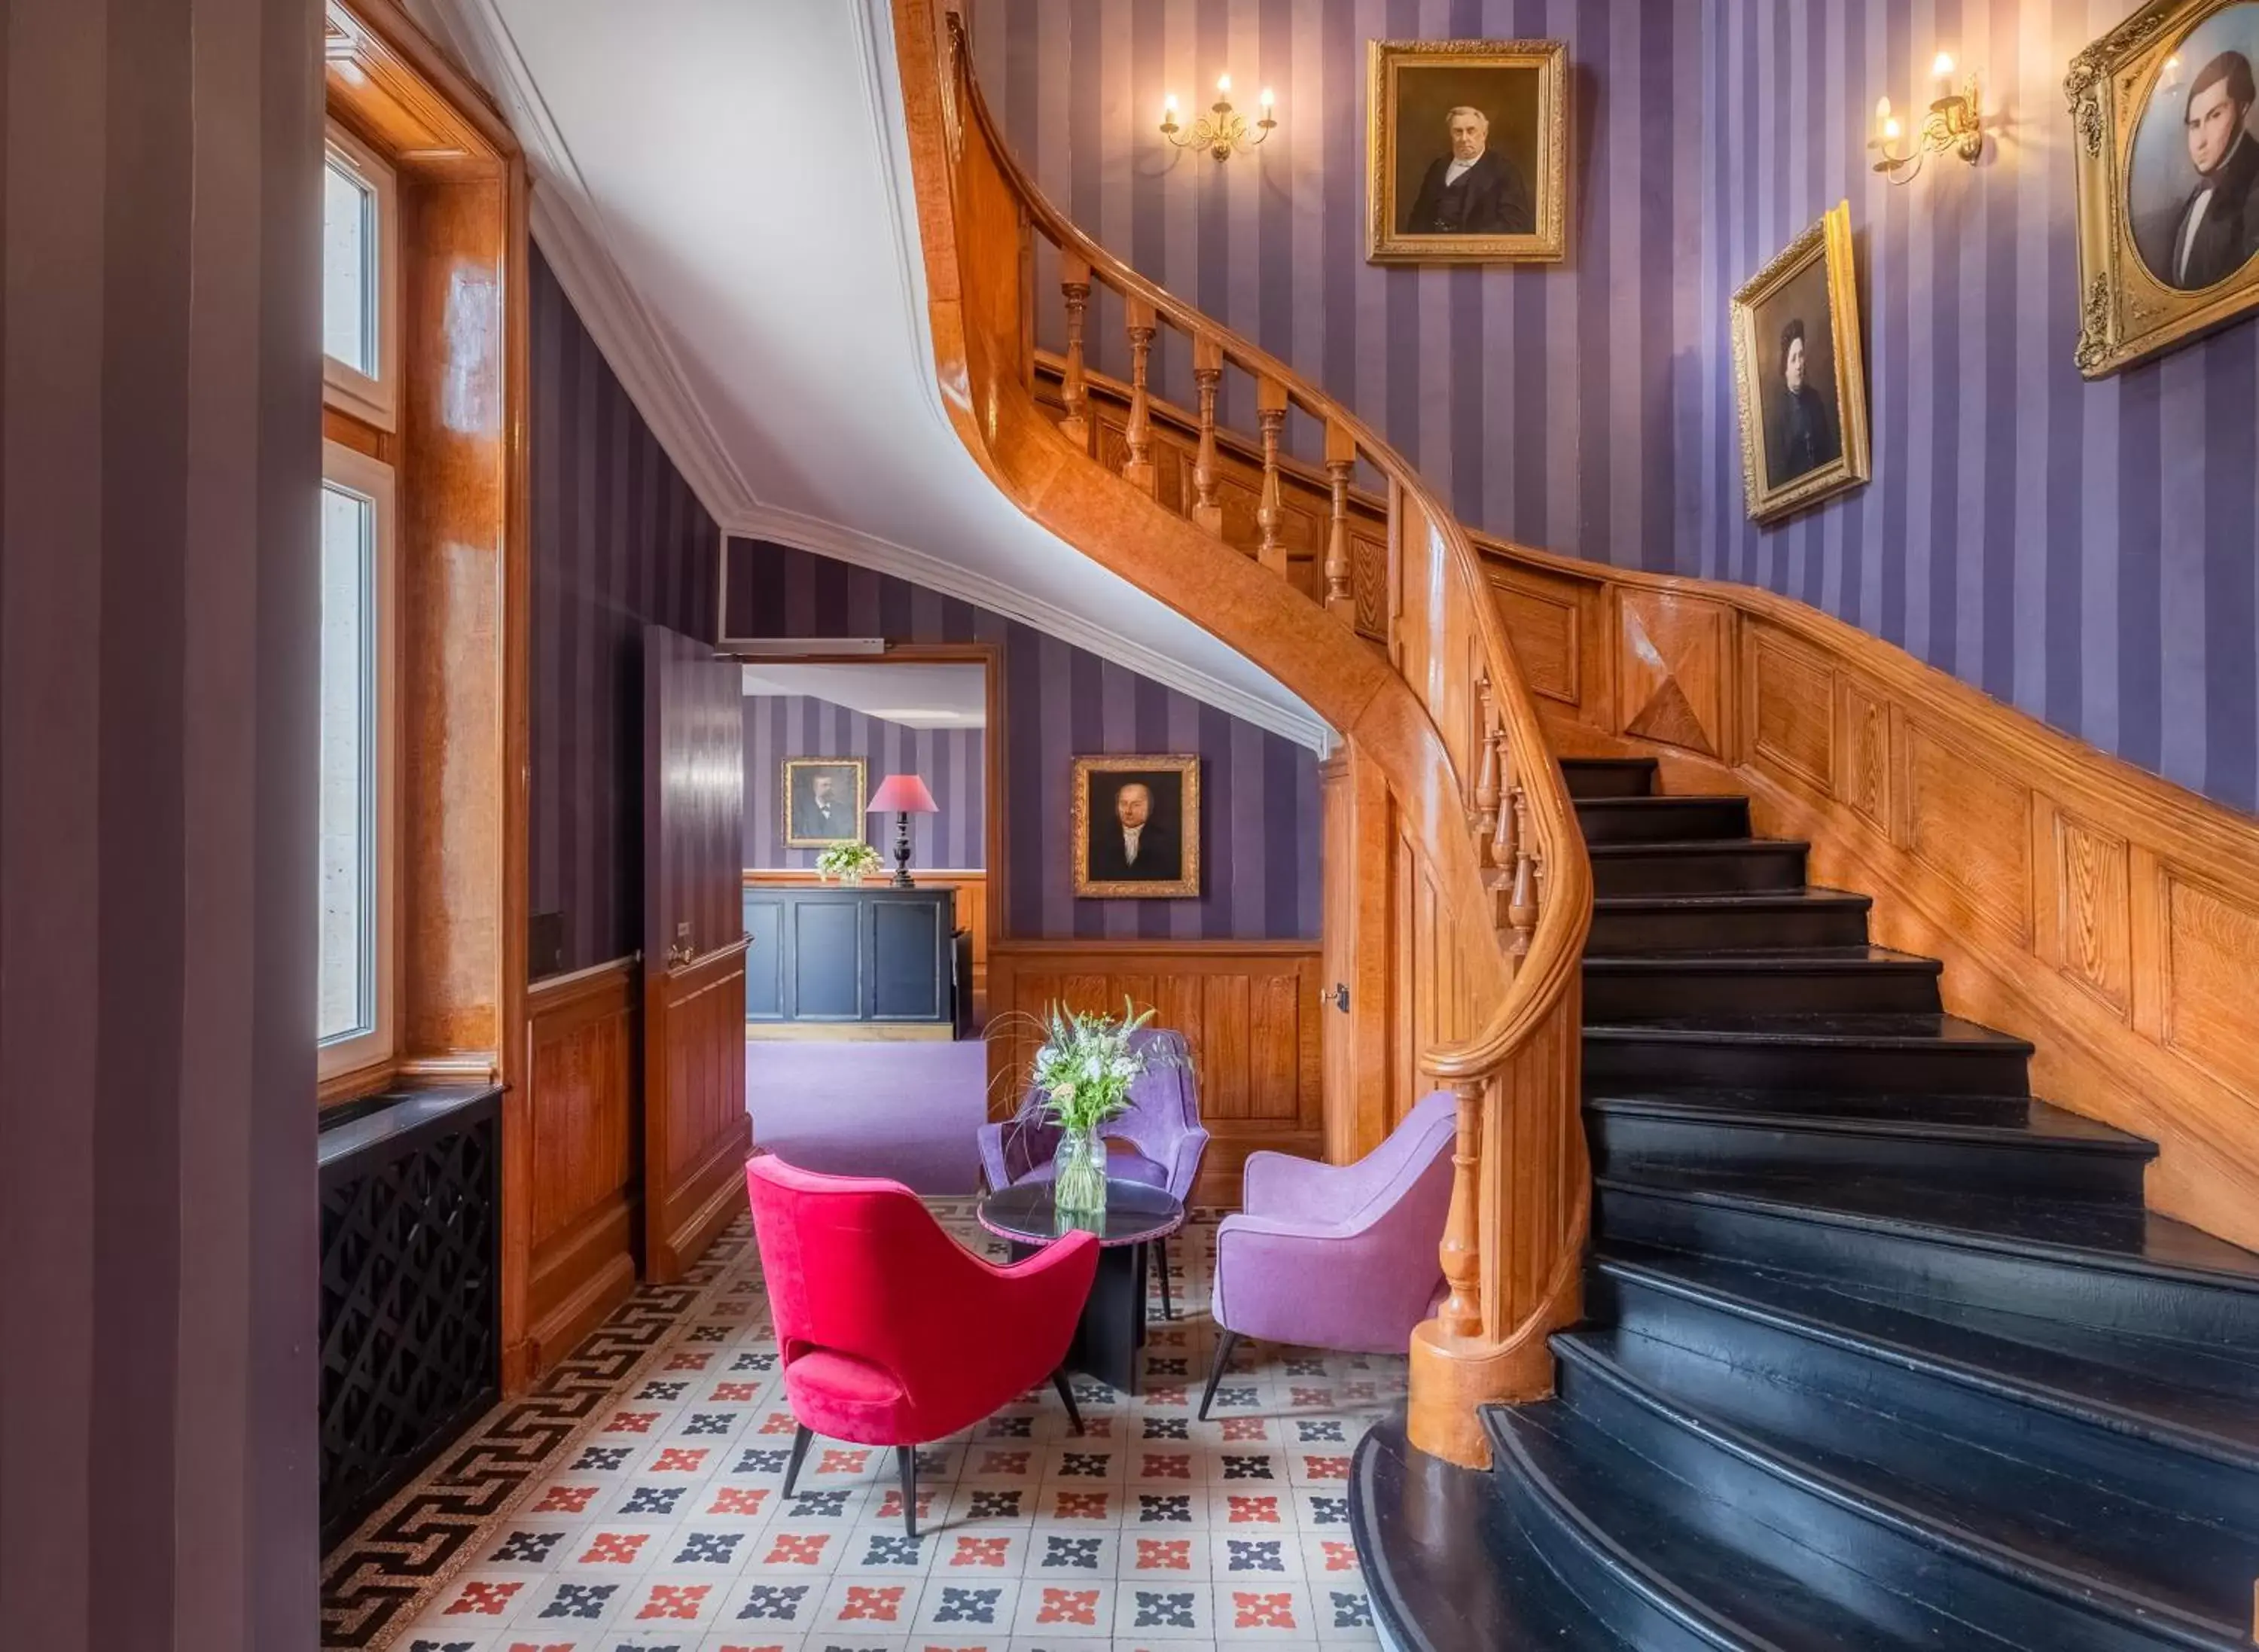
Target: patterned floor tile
[637, 1505]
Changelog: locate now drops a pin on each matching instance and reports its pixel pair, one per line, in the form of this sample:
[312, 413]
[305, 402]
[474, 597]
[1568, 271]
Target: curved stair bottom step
[1443, 1573]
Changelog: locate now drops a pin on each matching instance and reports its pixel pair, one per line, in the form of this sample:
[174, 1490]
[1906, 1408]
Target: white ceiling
[916, 694]
[723, 187]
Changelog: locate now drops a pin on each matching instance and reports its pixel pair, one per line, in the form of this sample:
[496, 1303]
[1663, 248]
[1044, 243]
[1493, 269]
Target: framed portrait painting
[2166, 151]
[821, 800]
[1136, 826]
[1797, 376]
[1466, 151]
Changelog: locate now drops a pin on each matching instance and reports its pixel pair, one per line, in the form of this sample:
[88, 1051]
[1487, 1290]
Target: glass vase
[1078, 1175]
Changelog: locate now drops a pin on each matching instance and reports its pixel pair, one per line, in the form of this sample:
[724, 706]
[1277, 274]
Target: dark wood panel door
[695, 1129]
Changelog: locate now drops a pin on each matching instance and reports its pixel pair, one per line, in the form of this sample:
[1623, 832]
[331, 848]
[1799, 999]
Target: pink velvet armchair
[1340, 1257]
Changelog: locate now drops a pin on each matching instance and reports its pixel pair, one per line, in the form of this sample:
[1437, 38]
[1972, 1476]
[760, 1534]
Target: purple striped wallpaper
[160, 463]
[2082, 550]
[1548, 403]
[1260, 852]
[619, 540]
[953, 763]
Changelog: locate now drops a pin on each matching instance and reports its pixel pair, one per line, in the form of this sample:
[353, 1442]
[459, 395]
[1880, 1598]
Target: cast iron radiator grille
[409, 1326]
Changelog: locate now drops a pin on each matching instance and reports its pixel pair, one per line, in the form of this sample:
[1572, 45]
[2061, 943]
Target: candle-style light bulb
[1882, 111]
[1169, 106]
[1890, 129]
[1266, 100]
[1223, 86]
[1942, 70]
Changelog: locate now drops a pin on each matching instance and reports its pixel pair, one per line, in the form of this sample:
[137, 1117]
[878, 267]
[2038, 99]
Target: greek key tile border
[376, 1581]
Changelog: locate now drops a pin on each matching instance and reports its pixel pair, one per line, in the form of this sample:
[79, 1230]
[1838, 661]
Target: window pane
[348, 973]
[348, 276]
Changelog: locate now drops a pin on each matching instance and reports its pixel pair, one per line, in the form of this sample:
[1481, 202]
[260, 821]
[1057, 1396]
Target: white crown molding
[883, 556]
[567, 224]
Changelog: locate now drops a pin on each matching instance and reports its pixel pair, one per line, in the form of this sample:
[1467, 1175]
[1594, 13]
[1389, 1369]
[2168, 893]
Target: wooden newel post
[1271, 513]
[1341, 459]
[1074, 392]
[1207, 373]
[1460, 1318]
[1137, 430]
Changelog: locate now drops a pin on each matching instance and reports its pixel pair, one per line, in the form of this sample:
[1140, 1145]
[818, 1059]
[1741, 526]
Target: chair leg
[801, 1437]
[907, 1455]
[1066, 1399]
[1161, 1255]
[1225, 1342]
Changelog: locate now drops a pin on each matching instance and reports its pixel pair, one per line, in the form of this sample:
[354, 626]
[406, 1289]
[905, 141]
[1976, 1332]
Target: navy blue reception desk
[873, 953]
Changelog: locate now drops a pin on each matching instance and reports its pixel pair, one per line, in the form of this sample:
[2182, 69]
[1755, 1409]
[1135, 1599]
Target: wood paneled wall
[572, 1236]
[1249, 1009]
[2107, 916]
[972, 913]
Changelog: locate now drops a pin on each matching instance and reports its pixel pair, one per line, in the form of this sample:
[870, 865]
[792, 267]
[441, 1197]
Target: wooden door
[695, 1130]
[1355, 950]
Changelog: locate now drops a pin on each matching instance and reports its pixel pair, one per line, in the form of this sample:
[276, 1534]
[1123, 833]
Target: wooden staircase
[1821, 1330]
[1880, 1350]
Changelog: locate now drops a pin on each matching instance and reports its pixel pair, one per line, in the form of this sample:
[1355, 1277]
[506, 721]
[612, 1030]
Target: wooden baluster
[1270, 512]
[1137, 432]
[1074, 389]
[1521, 905]
[1486, 772]
[1460, 1318]
[1501, 842]
[1207, 373]
[1341, 459]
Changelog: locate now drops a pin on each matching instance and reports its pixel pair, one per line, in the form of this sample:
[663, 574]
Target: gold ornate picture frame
[1799, 379]
[2156, 267]
[1415, 88]
[1164, 827]
[796, 797]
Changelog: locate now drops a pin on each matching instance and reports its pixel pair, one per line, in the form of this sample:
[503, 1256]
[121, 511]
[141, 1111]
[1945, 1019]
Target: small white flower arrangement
[849, 863]
[1087, 1065]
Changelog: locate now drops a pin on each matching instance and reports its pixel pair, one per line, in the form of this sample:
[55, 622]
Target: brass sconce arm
[1954, 125]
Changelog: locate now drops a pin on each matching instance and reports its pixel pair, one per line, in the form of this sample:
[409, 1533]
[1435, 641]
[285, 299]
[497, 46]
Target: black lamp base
[902, 852]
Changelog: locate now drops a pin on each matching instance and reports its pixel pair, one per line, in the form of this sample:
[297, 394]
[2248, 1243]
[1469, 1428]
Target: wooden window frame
[376, 400]
[372, 1053]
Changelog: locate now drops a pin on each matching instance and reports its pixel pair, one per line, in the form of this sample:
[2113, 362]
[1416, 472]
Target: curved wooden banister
[1499, 898]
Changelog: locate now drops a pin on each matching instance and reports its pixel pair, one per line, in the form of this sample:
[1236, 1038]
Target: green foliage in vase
[843, 860]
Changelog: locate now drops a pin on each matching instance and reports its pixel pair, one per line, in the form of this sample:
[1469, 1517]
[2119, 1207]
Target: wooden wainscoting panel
[1670, 669]
[1791, 708]
[1548, 618]
[2210, 938]
[1863, 746]
[1248, 1011]
[2090, 938]
[1961, 813]
[582, 1108]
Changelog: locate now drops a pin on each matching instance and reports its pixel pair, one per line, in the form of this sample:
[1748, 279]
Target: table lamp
[903, 795]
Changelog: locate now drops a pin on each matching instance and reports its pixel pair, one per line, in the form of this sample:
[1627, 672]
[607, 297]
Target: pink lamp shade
[902, 794]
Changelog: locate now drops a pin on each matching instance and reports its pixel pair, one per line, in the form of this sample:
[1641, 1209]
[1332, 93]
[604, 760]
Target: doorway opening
[869, 880]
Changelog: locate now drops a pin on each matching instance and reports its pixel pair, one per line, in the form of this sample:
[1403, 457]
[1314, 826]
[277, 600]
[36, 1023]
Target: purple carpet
[903, 1110]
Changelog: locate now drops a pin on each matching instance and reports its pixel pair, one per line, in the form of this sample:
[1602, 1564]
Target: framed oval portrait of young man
[1466, 151]
[1136, 826]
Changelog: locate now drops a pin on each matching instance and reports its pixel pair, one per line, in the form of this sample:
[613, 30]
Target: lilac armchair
[1341, 1256]
[1162, 1130]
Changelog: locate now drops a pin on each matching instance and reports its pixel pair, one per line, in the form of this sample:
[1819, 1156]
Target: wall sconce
[1223, 129]
[1954, 123]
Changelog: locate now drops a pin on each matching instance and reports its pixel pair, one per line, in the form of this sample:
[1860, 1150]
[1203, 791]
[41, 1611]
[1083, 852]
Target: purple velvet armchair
[1161, 1128]
[1341, 1256]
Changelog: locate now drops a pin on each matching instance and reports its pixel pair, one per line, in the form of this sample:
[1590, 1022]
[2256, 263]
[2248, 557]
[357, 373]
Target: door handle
[1337, 996]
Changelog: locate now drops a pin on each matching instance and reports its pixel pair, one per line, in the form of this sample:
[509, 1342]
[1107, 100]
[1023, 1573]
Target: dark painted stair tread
[1784, 960]
[1660, 1534]
[1435, 1583]
[2101, 1236]
[1761, 900]
[1974, 1118]
[1850, 1031]
[2131, 1393]
[1695, 846]
[2011, 1514]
